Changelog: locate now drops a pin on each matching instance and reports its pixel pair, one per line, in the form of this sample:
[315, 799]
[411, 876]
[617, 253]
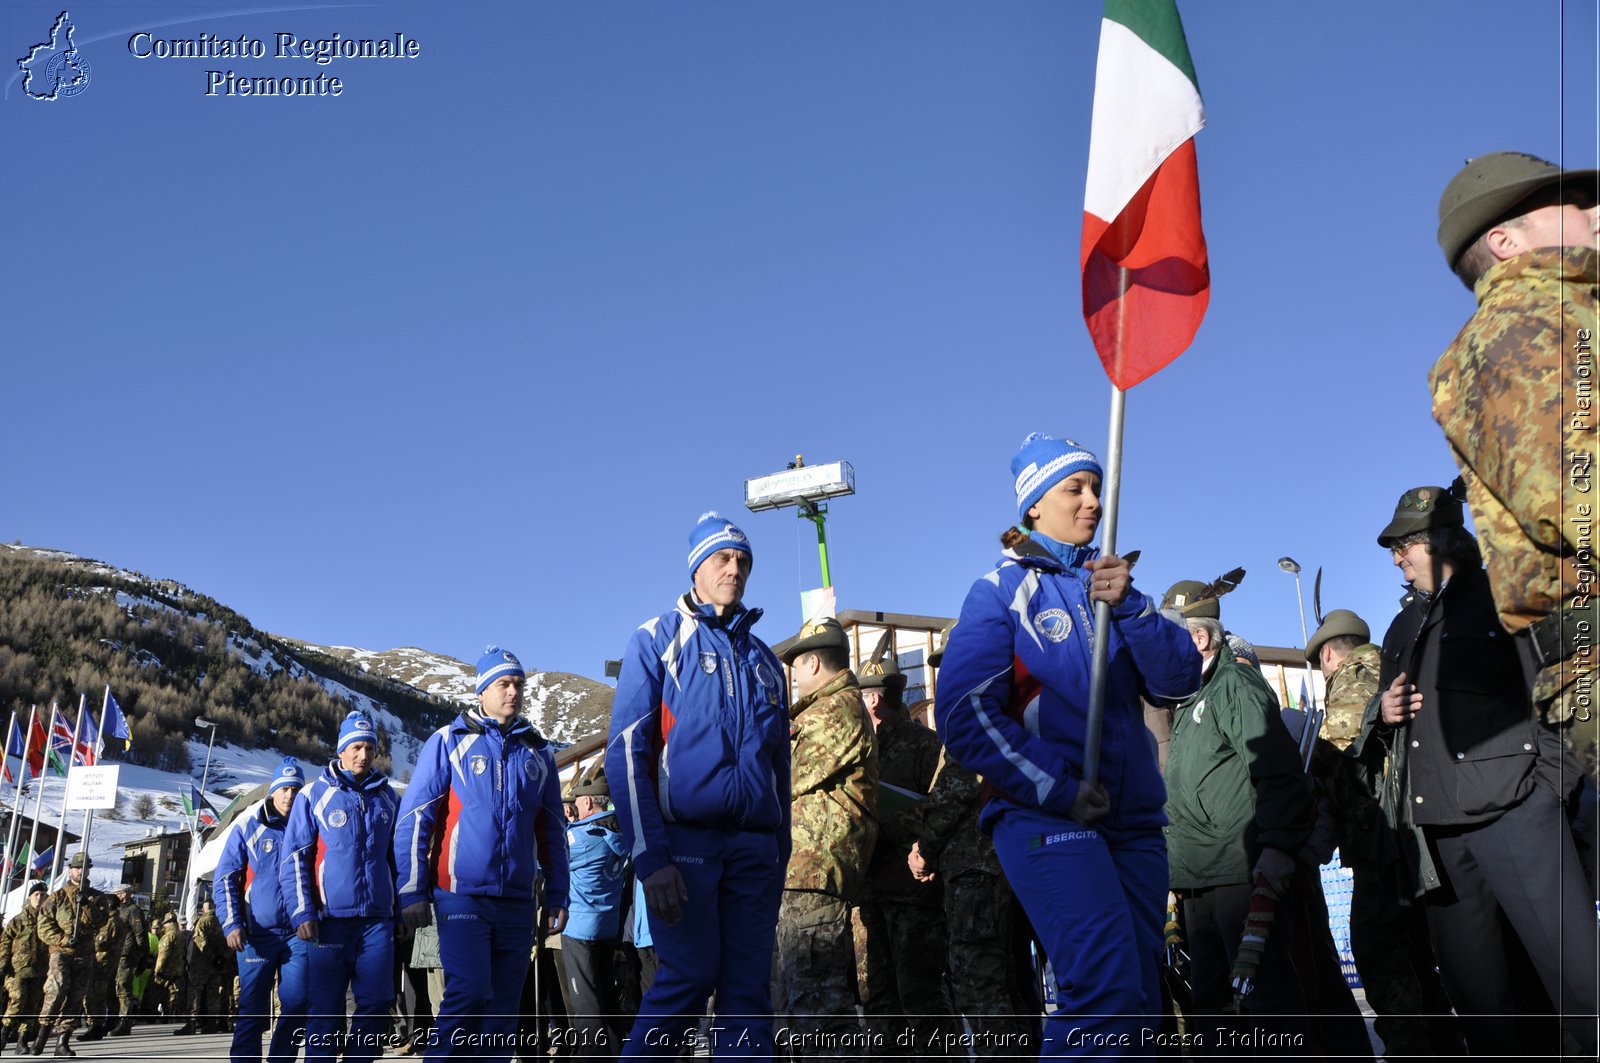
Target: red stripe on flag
[1157, 238]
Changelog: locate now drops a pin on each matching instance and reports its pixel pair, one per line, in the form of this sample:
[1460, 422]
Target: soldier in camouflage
[108, 941]
[23, 956]
[991, 980]
[132, 958]
[211, 972]
[68, 928]
[1388, 934]
[903, 917]
[171, 966]
[834, 773]
[1514, 395]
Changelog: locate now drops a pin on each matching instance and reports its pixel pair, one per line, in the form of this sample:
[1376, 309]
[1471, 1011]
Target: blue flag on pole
[115, 725]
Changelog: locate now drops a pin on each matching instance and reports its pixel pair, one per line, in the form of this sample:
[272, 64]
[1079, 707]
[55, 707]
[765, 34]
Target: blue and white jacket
[1013, 694]
[599, 874]
[482, 815]
[340, 840]
[699, 732]
[246, 883]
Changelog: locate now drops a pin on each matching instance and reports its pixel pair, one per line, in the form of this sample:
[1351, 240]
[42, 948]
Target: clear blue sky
[460, 355]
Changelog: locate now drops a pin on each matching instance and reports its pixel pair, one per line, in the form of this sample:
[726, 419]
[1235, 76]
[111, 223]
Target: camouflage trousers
[991, 976]
[127, 999]
[23, 996]
[905, 1004]
[97, 990]
[814, 979]
[210, 997]
[1396, 964]
[171, 996]
[64, 984]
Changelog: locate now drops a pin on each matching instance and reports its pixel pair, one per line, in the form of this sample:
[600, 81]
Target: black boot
[94, 1032]
[65, 1047]
[40, 1040]
[184, 1031]
[123, 1028]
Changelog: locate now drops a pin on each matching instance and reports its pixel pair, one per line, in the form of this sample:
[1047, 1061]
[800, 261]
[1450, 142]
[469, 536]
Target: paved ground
[150, 1042]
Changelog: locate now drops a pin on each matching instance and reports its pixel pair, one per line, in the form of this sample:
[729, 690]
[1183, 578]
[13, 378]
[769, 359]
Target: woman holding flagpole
[1087, 860]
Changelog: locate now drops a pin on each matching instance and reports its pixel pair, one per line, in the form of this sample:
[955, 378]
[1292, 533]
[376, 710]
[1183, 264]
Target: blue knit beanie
[356, 728]
[711, 533]
[289, 773]
[495, 663]
[1044, 461]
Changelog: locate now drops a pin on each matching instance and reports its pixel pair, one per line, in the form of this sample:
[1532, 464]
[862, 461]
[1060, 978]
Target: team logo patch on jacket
[708, 663]
[1199, 710]
[337, 818]
[479, 764]
[268, 845]
[1053, 624]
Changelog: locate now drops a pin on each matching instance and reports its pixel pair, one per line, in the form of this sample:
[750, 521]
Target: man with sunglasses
[1514, 395]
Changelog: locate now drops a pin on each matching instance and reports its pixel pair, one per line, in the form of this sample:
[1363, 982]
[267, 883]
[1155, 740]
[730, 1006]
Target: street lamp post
[194, 826]
[202, 721]
[1290, 565]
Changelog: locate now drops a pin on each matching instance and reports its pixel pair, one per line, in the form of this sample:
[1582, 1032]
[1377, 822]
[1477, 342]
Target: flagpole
[61, 823]
[1110, 491]
[11, 729]
[44, 773]
[99, 742]
[15, 827]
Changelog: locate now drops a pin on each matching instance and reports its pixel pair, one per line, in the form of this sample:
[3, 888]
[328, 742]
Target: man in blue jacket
[594, 930]
[338, 884]
[256, 923]
[480, 820]
[699, 767]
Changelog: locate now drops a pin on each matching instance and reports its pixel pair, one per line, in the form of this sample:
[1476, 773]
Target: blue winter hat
[1044, 461]
[713, 532]
[356, 728]
[495, 663]
[289, 773]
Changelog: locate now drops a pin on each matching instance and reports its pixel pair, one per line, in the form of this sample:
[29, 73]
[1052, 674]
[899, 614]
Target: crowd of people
[778, 857]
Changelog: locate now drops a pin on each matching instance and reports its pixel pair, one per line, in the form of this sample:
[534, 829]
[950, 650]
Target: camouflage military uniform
[903, 919]
[1512, 393]
[991, 980]
[171, 966]
[834, 778]
[133, 957]
[108, 940]
[25, 958]
[71, 957]
[211, 970]
[1388, 934]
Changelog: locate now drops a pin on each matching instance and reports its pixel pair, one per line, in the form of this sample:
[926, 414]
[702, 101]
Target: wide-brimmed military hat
[881, 670]
[1184, 596]
[1419, 509]
[79, 859]
[1488, 189]
[591, 784]
[817, 635]
[1337, 622]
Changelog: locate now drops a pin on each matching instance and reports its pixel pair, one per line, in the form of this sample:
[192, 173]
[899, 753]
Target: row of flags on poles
[61, 747]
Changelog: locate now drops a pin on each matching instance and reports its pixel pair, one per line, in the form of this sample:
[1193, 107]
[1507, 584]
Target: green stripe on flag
[1156, 23]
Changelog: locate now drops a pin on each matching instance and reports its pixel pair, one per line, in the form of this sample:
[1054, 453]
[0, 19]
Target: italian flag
[1146, 281]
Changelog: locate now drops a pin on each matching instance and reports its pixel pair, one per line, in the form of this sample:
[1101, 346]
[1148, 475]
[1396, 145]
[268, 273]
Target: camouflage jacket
[135, 932]
[57, 915]
[949, 836]
[908, 758]
[20, 947]
[208, 949]
[1514, 396]
[169, 954]
[1358, 818]
[1350, 687]
[109, 938]
[834, 777]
